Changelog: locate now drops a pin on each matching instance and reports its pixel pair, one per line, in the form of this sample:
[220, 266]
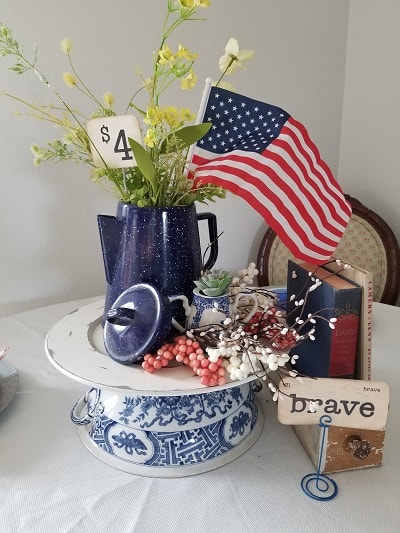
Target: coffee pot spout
[110, 229]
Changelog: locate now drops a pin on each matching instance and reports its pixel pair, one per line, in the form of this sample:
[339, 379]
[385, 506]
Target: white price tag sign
[109, 136]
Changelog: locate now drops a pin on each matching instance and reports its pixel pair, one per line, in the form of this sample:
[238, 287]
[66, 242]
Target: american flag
[259, 152]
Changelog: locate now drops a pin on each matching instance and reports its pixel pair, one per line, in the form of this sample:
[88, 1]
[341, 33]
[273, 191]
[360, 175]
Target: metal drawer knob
[358, 447]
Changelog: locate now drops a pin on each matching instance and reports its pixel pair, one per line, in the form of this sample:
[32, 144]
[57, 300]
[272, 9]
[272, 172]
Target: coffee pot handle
[213, 236]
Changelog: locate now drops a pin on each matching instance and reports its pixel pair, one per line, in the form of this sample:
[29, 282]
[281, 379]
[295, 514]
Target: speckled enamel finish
[160, 245]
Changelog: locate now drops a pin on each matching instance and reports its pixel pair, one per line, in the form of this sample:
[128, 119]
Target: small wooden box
[343, 448]
[346, 448]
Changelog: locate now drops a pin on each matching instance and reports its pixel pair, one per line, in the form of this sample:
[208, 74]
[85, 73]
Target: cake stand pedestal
[158, 425]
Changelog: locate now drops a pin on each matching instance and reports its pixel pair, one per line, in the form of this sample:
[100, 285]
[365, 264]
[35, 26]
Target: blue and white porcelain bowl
[158, 425]
[169, 436]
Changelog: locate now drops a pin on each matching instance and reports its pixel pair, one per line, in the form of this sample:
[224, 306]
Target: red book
[363, 278]
[332, 353]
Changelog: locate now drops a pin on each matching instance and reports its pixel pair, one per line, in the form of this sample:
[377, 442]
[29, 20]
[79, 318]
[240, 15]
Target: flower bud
[66, 45]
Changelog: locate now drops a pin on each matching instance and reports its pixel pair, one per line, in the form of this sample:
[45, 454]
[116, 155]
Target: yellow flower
[186, 54]
[149, 83]
[233, 57]
[108, 99]
[69, 79]
[186, 115]
[165, 54]
[151, 138]
[66, 45]
[171, 116]
[187, 4]
[154, 116]
[189, 82]
[165, 136]
[38, 154]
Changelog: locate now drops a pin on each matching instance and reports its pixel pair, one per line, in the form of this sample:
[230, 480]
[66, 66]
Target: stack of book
[343, 292]
[331, 350]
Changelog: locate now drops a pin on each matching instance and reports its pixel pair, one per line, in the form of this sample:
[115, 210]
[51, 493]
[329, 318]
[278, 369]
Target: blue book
[332, 353]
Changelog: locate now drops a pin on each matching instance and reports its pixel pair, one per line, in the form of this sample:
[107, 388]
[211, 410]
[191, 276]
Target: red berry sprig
[269, 325]
[256, 323]
[190, 353]
[160, 359]
[282, 339]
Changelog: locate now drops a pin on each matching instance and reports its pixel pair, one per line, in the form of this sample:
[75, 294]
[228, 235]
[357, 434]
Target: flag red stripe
[278, 215]
[321, 176]
[308, 193]
[298, 247]
[279, 195]
[273, 187]
[303, 192]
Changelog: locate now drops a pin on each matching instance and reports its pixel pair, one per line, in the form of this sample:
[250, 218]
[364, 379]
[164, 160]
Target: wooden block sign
[109, 140]
[349, 403]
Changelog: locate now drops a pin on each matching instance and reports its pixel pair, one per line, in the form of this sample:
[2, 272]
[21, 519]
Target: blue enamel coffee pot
[156, 245]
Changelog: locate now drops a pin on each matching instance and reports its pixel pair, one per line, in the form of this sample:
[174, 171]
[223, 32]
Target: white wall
[370, 143]
[50, 249]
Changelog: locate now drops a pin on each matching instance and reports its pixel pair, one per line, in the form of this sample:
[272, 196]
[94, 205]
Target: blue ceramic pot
[169, 436]
[207, 310]
[158, 245]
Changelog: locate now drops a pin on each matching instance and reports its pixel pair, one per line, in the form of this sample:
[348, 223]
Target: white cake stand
[160, 425]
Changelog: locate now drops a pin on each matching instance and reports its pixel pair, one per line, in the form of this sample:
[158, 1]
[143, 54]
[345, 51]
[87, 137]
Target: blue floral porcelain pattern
[240, 423]
[208, 310]
[223, 419]
[130, 443]
[146, 411]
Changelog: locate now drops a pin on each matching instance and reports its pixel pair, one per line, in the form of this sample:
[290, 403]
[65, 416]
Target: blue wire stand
[317, 485]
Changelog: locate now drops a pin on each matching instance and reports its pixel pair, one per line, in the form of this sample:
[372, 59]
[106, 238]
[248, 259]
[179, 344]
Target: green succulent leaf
[224, 284]
[214, 283]
[213, 292]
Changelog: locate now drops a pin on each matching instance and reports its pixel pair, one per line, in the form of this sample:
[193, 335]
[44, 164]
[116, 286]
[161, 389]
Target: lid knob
[121, 316]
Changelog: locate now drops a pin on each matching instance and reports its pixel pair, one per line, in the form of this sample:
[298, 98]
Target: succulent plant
[214, 283]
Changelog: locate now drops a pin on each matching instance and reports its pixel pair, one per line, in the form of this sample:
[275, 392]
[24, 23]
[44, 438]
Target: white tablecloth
[50, 483]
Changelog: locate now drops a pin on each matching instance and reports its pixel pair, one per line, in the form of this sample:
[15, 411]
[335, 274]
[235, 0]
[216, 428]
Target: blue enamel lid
[138, 323]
